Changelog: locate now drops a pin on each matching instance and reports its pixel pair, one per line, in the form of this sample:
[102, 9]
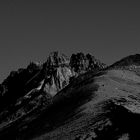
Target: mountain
[53, 74]
[31, 89]
[76, 98]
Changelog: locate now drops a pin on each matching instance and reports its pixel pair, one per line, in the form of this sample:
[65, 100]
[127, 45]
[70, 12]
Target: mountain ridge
[128, 61]
[25, 89]
[78, 93]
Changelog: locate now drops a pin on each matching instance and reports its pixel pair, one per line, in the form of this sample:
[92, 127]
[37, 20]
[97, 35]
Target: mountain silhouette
[76, 98]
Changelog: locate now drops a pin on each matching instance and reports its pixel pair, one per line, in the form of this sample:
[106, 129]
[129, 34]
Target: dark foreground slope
[101, 106]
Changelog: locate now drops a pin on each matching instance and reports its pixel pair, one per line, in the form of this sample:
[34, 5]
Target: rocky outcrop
[59, 69]
[57, 73]
[51, 77]
[56, 59]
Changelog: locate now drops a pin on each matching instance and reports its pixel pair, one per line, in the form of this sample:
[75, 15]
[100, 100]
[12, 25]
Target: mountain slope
[131, 62]
[73, 98]
[101, 105]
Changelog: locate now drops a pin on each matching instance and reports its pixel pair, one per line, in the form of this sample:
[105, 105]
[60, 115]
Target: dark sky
[30, 30]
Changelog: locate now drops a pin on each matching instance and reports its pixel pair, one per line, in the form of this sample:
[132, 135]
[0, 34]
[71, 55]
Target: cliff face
[57, 73]
[59, 69]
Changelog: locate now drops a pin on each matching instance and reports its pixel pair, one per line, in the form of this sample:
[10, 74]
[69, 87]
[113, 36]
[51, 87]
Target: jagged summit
[80, 62]
[71, 98]
[56, 59]
[39, 82]
[58, 67]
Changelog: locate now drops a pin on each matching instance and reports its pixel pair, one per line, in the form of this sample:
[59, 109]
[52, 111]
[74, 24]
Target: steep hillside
[73, 98]
[131, 62]
[100, 105]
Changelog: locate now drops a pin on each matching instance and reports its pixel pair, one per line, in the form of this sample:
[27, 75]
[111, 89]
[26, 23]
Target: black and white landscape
[69, 70]
[76, 98]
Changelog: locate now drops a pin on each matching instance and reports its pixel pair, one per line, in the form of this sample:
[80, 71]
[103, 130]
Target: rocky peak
[56, 59]
[81, 63]
[50, 77]
[26, 89]
[94, 63]
[59, 70]
[78, 62]
[57, 73]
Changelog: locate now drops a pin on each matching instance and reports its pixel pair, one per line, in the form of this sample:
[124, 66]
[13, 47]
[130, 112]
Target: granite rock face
[57, 73]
